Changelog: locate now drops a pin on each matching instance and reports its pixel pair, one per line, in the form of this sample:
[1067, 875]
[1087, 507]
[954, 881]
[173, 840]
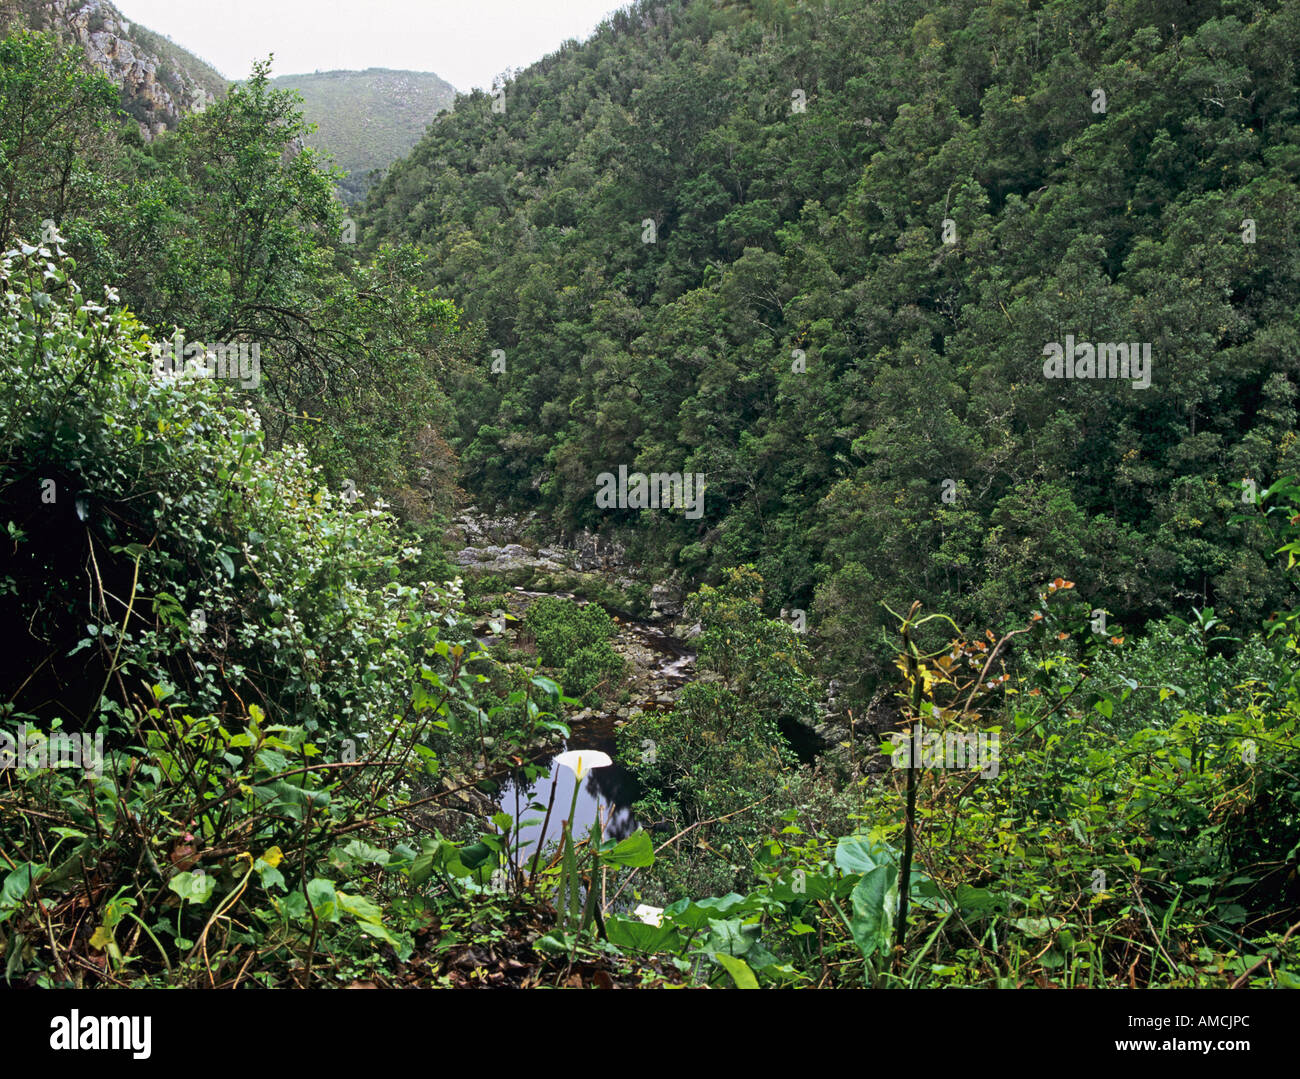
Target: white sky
[466, 42]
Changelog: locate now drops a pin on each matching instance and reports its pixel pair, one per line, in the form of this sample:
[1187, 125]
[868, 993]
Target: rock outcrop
[587, 565]
[160, 81]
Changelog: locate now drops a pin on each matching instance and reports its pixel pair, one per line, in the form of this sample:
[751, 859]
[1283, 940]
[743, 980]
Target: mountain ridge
[367, 119]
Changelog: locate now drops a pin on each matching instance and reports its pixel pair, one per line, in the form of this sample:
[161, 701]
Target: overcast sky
[466, 42]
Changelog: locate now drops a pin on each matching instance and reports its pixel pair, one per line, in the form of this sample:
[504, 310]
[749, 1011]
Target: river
[659, 658]
[659, 665]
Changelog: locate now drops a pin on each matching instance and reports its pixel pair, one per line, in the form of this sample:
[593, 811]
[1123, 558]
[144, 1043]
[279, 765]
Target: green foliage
[227, 231]
[722, 749]
[301, 739]
[820, 906]
[574, 639]
[236, 581]
[241, 856]
[1099, 854]
[266, 685]
[816, 237]
[54, 116]
[592, 673]
[1173, 667]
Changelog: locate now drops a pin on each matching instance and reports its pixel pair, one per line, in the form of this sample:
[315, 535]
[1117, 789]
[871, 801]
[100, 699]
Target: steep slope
[160, 81]
[818, 252]
[368, 119]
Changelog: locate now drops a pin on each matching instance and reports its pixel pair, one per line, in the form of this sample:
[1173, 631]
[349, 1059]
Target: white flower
[650, 915]
[582, 761]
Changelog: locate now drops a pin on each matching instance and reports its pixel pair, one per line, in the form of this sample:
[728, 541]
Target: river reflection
[607, 793]
[605, 799]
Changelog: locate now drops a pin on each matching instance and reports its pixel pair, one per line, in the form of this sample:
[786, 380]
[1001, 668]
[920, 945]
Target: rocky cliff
[160, 81]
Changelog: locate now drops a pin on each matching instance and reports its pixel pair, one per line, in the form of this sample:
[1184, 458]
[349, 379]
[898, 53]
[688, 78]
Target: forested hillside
[793, 495]
[366, 120]
[815, 252]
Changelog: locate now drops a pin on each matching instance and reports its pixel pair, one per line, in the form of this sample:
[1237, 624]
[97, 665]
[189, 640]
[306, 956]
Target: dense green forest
[978, 321]
[866, 400]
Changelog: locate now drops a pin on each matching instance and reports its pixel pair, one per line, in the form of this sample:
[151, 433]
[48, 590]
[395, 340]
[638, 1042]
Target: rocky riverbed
[525, 560]
[523, 563]
[517, 550]
[527, 564]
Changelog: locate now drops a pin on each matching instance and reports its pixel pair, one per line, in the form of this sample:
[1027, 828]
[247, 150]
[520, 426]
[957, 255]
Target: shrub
[574, 639]
[270, 691]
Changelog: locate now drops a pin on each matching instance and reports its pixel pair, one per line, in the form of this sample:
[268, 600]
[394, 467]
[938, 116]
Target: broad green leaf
[324, 899]
[17, 883]
[638, 936]
[697, 915]
[359, 852]
[441, 855]
[739, 971]
[634, 851]
[859, 854]
[979, 900]
[875, 904]
[359, 907]
[731, 935]
[193, 887]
